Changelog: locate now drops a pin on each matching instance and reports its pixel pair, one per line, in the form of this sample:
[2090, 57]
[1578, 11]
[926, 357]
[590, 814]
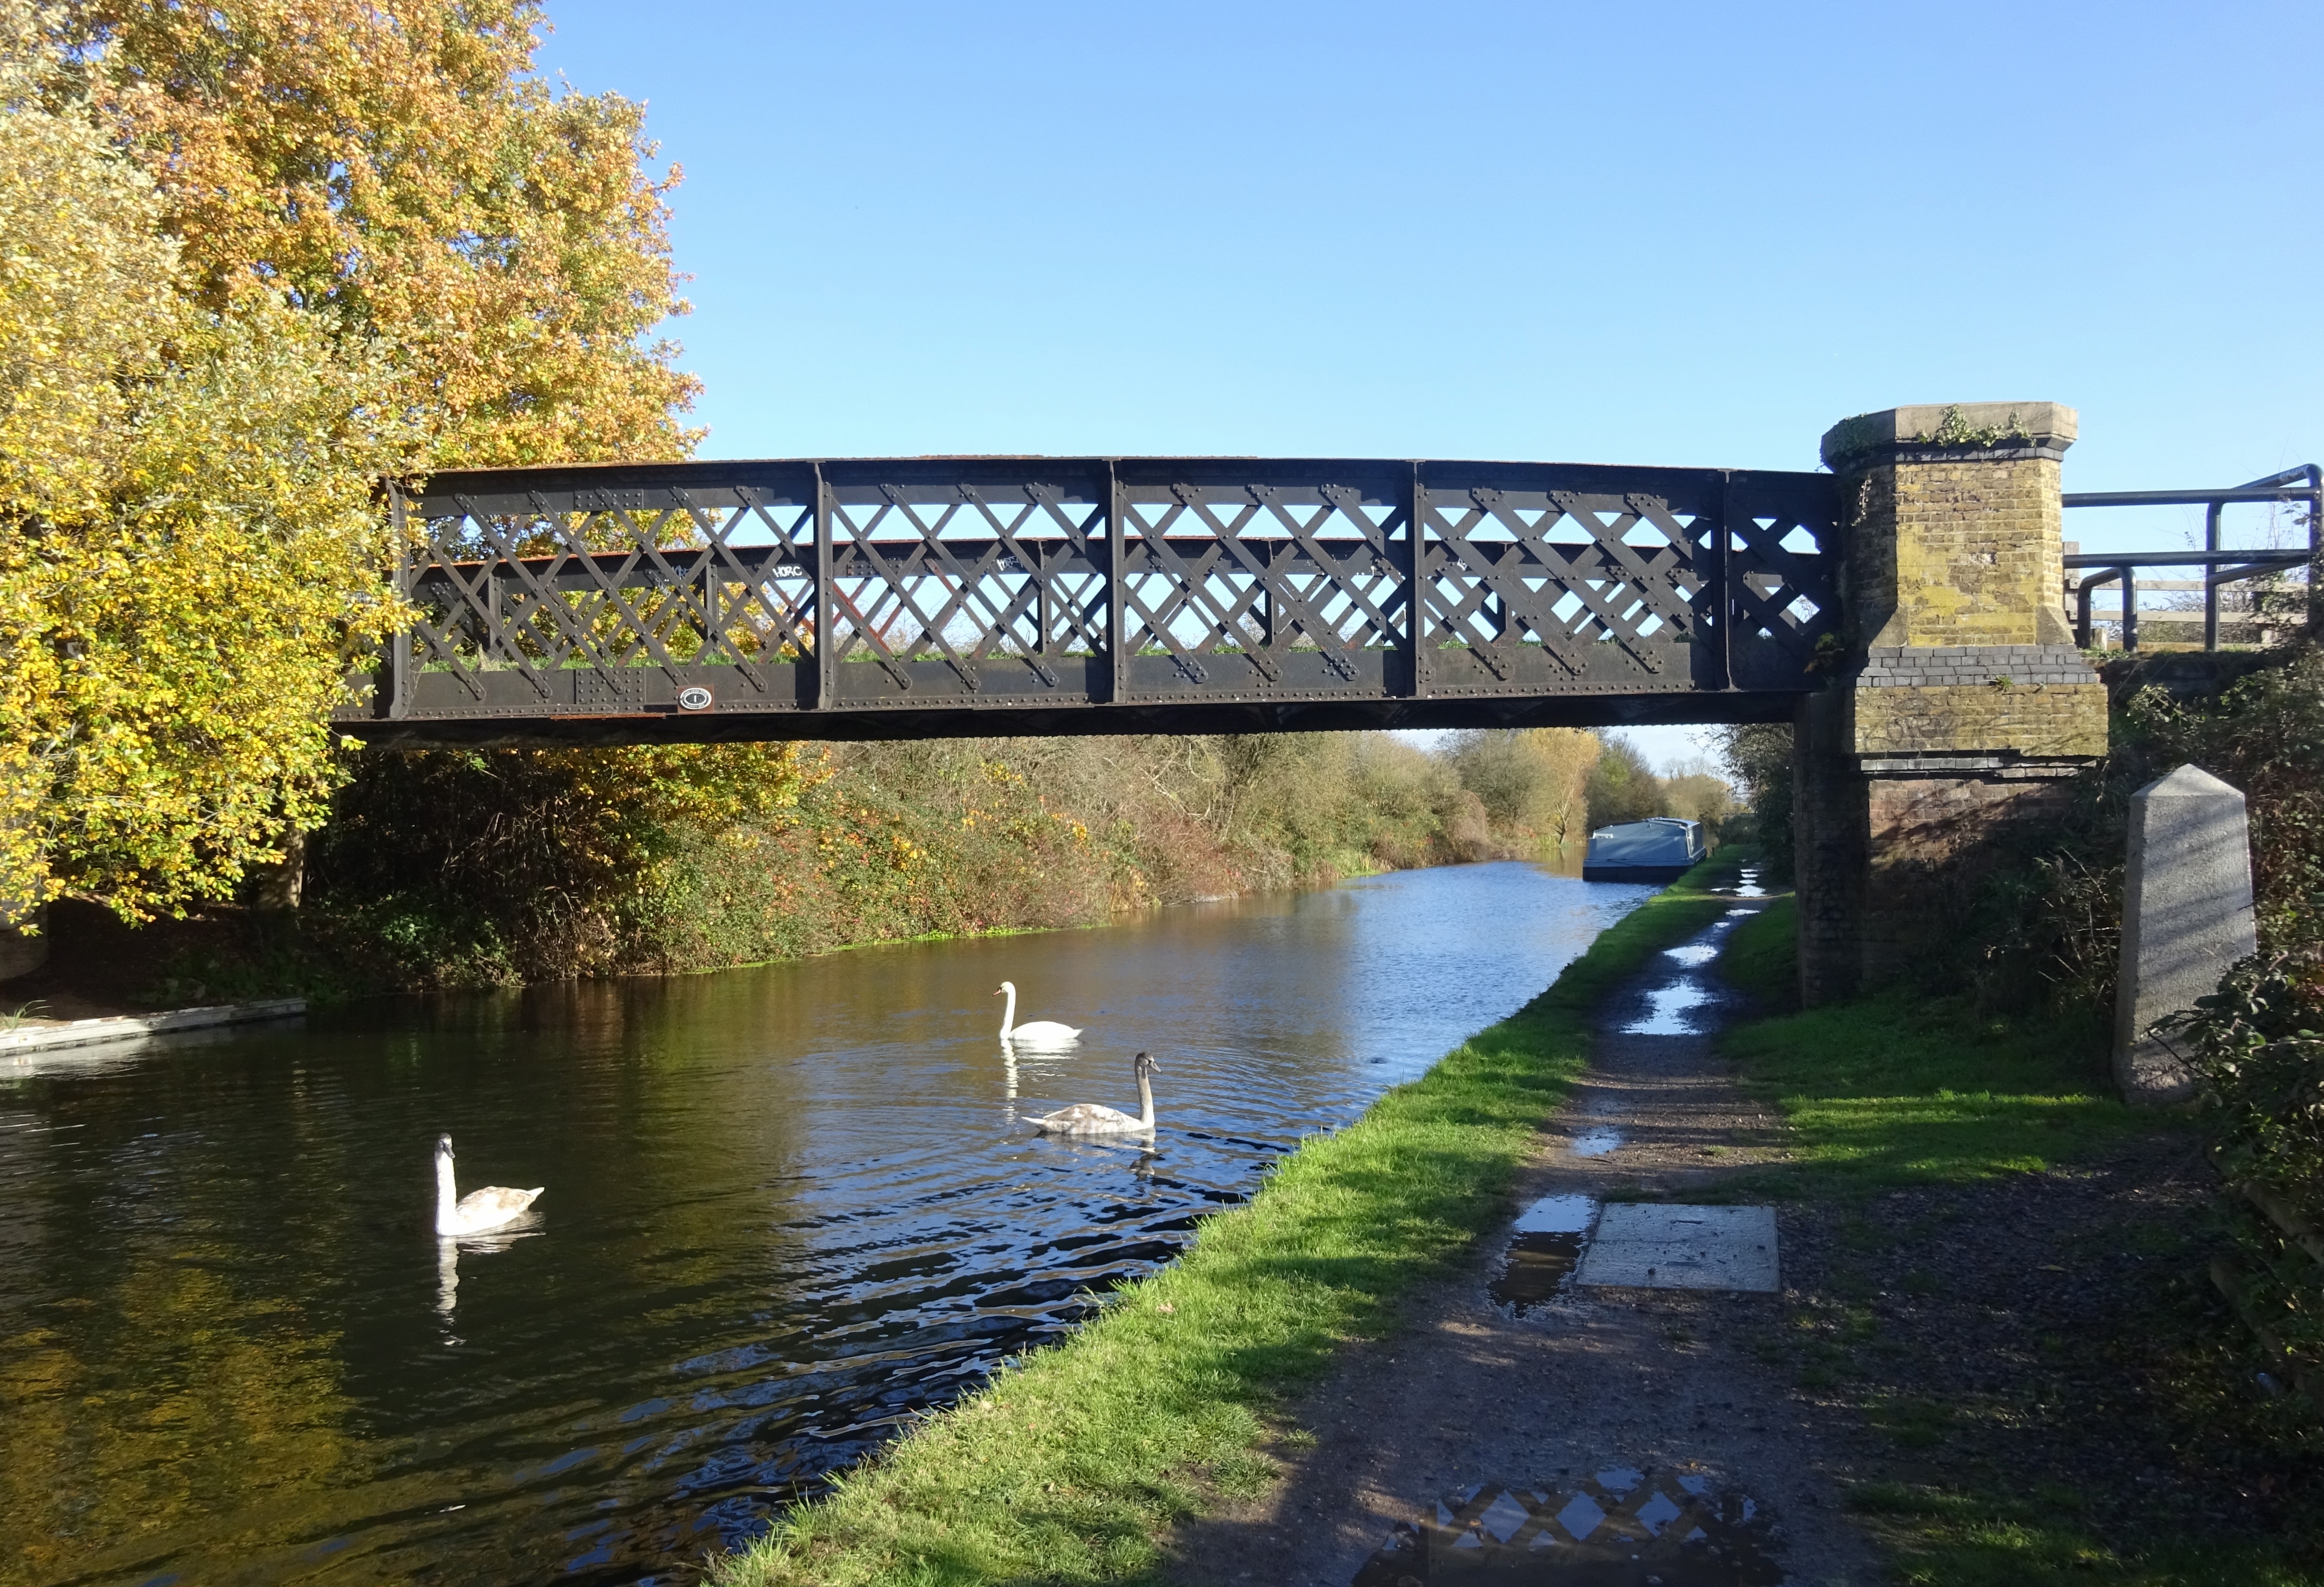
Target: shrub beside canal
[451, 868]
[1067, 1466]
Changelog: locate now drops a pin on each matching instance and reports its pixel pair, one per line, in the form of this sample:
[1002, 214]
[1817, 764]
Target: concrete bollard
[2186, 919]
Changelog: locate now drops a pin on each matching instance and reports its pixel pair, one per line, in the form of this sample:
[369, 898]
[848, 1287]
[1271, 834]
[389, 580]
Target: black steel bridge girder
[1233, 547]
[1197, 716]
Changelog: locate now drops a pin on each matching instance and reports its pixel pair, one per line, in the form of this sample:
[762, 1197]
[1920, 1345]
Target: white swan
[479, 1210]
[1038, 1032]
[1092, 1118]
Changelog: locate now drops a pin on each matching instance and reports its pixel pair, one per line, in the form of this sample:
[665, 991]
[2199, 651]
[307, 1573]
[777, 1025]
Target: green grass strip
[1762, 955]
[1900, 1089]
[1069, 1466]
[1945, 1538]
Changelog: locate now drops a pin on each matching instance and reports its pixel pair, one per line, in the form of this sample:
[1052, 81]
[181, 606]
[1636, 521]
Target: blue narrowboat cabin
[1661, 848]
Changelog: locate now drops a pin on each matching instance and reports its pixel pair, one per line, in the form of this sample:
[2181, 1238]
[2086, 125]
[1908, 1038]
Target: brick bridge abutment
[1958, 705]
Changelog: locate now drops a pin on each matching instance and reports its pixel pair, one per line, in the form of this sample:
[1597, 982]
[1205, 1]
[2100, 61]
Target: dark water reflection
[787, 1209]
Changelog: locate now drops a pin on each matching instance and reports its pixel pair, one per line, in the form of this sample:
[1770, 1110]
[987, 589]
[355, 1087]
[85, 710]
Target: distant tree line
[464, 868]
[1623, 787]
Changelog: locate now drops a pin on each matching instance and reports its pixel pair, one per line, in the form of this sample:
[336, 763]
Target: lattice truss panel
[1550, 587]
[612, 593]
[917, 582]
[1000, 585]
[1780, 582]
[1262, 588]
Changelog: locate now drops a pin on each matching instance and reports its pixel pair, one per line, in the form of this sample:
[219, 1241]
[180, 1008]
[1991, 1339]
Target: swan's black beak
[443, 1146]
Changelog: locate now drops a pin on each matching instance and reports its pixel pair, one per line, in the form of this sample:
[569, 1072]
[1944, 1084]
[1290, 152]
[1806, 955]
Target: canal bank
[789, 1211]
[1073, 1464]
[1991, 1356]
[1583, 1400]
[1996, 1290]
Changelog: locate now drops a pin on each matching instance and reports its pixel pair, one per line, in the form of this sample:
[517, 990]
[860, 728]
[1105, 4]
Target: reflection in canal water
[788, 1209]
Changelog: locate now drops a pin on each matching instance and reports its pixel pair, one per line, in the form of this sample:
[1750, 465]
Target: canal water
[787, 1209]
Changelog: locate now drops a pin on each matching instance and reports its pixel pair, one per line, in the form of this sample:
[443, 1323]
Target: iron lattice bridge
[892, 598]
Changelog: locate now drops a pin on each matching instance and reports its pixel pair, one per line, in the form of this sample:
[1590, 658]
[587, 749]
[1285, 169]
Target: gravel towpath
[1486, 1418]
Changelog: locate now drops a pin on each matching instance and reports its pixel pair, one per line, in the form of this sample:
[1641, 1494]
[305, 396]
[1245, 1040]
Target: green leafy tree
[189, 546]
[1623, 787]
[474, 866]
[1758, 755]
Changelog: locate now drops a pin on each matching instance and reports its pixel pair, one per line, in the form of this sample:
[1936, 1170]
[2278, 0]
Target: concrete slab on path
[1659, 1246]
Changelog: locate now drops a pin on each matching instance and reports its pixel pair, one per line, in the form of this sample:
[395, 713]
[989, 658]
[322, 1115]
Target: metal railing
[2221, 567]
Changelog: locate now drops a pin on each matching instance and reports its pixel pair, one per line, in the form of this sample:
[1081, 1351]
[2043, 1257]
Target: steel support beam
[873, 597]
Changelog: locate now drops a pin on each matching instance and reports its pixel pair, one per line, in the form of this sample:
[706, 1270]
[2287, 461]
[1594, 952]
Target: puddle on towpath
[1747, 883]
[1668, 1008]
[1671, 1006]
[1544, 1248]
[1596, 1143]
[1678, 1527]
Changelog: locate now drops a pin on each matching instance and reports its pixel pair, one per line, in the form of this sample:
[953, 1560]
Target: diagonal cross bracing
[907, 597]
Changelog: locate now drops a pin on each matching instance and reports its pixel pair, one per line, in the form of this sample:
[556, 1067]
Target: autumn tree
[398, 169]
[1695, 791]
[261, 255]
[187, 542]
[1531, 780]
[1623, 787]
[399, 172]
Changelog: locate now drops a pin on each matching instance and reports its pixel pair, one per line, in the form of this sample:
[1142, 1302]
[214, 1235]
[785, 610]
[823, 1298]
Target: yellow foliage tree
[396, 165]
[187, 535]
[187, 544]
[1695, 793]
[256, 254]
[1531, 779]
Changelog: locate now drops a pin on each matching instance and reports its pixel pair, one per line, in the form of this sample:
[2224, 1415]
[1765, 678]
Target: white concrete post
[2186, 919]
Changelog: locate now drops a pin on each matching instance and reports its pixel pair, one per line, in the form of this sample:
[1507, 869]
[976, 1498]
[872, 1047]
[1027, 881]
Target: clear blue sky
[1682, 234]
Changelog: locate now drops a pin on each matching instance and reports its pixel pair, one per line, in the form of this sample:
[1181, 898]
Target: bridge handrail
[2302, 483]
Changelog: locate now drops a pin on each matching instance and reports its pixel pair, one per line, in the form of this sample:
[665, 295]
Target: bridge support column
[1958, 702]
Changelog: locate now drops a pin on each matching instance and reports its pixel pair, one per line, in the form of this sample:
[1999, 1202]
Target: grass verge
[1067, 1467]
[1948, 1539]
[1761, 957]
[1897, 1090]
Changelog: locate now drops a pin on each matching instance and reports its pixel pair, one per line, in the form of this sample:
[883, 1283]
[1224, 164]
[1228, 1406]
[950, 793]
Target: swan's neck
[447, 1199]
[1144, 1102]
[1008, 1012]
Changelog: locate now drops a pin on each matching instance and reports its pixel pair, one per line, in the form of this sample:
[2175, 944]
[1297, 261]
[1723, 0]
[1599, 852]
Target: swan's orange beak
[996, 991]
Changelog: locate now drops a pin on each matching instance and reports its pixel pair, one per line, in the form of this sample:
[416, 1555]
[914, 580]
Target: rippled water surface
[786, 1208]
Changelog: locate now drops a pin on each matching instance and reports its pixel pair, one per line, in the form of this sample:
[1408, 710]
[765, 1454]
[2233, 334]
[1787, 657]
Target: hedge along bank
[1069, 1465]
